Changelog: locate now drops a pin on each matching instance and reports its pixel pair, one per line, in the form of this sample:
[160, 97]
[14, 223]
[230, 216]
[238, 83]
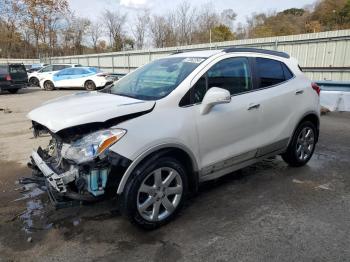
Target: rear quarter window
[272, 72]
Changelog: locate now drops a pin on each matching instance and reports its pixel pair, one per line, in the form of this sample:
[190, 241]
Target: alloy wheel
[159, 194]
[305, 143]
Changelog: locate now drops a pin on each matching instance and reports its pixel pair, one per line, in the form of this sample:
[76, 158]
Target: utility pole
[210, 38]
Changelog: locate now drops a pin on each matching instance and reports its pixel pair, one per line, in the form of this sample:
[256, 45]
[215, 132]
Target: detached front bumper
[85, 182]
[55, 180]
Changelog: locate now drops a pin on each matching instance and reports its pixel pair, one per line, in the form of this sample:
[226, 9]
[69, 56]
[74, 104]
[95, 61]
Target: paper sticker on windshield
[194, 60]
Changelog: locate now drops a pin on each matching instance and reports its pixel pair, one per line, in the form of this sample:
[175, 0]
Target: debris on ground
[6, 110]
[324, 110]
[76, 222]
[297, 181]
[324, 186]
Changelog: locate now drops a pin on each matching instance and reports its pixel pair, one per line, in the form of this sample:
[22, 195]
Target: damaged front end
[80, 167]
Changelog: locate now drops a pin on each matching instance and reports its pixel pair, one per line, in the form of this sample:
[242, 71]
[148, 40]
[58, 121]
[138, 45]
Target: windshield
[157, 79]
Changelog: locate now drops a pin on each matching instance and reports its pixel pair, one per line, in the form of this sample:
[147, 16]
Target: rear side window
[58, 67]
[67, 71]
[15, 69]
[270, 72]
[79, 71]
[3, 70]
[287, 73]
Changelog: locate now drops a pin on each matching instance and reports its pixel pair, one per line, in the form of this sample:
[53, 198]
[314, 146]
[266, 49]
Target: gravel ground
[267, 212]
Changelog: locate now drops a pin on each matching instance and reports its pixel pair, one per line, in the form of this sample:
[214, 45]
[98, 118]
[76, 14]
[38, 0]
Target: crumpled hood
[85, 107]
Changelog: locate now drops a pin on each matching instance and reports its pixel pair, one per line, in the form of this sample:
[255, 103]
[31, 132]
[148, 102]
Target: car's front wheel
[155, 193]
[302, 145]
[49, 86]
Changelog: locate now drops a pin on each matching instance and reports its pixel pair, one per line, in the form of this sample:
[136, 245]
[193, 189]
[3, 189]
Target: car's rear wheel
[302, 146]
[34, 81]
[155, 193]
[90, 85]
[49, 86]
[13, 91]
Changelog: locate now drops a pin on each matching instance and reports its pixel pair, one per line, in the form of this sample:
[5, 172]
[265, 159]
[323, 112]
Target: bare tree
[163, 30]
[80, 27]
[228, 17]
[158, 24]
[74, 32]
[207, 18]
[140, 27]
[185, 16]
[114, 22]
[95, 32]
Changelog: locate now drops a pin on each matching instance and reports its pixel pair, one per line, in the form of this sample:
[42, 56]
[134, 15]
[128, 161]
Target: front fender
[147, 153]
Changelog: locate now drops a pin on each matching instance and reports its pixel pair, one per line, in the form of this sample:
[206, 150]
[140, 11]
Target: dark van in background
[13, 77]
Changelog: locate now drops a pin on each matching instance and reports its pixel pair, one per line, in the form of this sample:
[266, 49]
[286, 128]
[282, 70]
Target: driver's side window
[232, 74]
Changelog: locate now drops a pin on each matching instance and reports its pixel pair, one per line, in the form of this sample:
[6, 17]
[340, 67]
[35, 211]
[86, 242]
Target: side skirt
[228, 166]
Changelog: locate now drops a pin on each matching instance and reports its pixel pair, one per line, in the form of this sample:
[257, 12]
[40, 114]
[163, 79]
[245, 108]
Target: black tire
[129, 201]
[293, 156]
[13, 91]
[34, 82]
[49, 86]
[90, 85]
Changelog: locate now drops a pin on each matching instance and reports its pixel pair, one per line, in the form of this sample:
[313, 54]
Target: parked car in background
[34, 77]
[90, 78]
[13, 77]
[34, 67]
[155, 134]
[31, 70]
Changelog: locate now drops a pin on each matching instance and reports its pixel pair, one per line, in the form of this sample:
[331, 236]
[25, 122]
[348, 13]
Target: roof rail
[256, 50]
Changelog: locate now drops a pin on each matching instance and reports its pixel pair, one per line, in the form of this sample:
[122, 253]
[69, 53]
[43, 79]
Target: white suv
[154, 135]
[35, 77]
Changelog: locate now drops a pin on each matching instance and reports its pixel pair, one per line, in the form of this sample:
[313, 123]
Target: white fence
[24, 61]
[323, 56]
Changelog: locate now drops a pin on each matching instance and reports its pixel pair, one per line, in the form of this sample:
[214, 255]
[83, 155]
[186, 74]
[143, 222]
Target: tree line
[34, 28]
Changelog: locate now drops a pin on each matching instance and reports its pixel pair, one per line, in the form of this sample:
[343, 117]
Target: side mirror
[214, 96]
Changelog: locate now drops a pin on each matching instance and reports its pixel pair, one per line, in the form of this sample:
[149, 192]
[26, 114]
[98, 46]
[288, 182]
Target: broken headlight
[92, 145]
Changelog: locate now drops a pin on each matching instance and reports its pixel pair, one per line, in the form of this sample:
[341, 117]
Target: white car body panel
[85, 107]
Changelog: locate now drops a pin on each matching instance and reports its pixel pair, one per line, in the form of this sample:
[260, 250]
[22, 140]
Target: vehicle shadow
[27, 90]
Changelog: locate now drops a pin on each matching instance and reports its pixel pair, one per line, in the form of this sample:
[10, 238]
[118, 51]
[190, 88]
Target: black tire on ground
[34, 82]
[133, 197]
[13, 91]
[90, 85]
[302, 145]
[49, 86]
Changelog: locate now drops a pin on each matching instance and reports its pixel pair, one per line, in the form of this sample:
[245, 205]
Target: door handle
[253, 106]
[299, 92]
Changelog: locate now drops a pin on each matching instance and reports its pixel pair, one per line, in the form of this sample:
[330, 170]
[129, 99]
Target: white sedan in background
[88, 77]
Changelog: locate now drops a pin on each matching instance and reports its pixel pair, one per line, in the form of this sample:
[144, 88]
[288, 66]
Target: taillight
[8, 78]
[316, 88]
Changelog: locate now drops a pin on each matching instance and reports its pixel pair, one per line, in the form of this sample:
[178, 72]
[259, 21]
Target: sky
[93, 8]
